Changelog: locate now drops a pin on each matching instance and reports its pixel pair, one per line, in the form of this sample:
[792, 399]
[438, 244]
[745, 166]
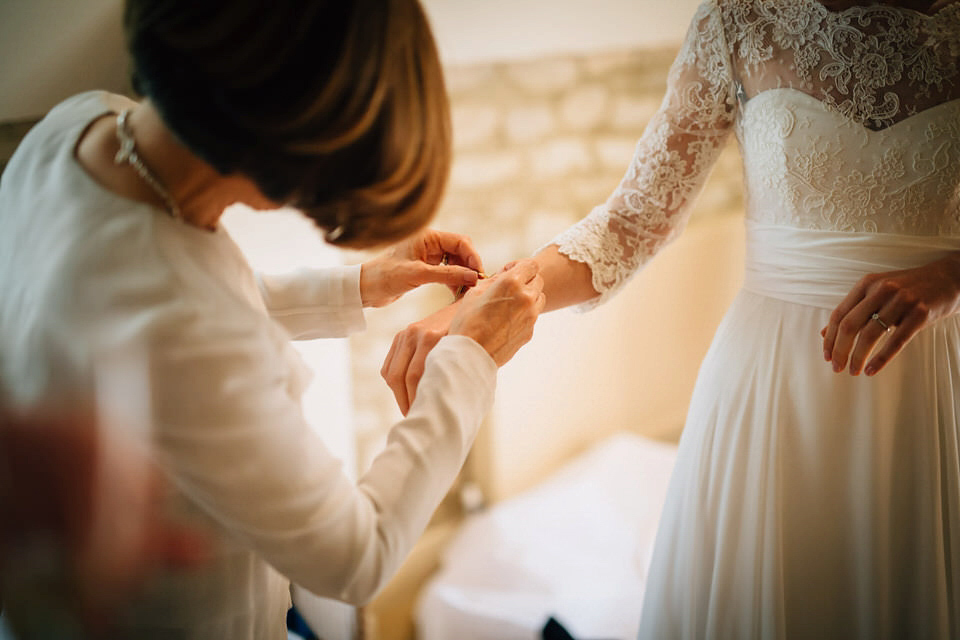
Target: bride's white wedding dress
[806, 503]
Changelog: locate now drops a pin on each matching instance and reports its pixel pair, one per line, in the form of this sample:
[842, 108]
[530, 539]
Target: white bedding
[576, 548]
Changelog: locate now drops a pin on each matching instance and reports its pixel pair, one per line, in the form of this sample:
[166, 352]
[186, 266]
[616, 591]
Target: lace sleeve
[671, 162]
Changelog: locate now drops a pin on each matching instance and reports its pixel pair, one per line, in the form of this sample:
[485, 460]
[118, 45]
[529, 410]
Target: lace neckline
[875, 64]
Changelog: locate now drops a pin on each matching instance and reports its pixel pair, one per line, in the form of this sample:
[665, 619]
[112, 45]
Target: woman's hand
[500, 317]
[904, 303]
[430, 256]
[499, 314]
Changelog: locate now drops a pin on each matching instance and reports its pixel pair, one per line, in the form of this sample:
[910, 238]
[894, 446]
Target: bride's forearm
[566, 282]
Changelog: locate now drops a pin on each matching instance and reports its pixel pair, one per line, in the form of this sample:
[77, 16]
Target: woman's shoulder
[79, 110]
[88, 102]
[56, 133]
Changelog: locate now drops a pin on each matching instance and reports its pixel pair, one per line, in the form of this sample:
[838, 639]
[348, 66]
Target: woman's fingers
[457, 248]
[872, 332]
[405, 362]
[898, 338]
[450, 275]
[417, 362]
[891, 307]
[385, 278]
[525, 271]
[431, 256]
[456, 278]
[502, 316]
[839, 315]
[395, 367]
[846, 330]
[499, 315]
[541, 301]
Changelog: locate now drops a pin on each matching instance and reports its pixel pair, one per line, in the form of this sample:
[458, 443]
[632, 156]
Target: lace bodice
[846, 120]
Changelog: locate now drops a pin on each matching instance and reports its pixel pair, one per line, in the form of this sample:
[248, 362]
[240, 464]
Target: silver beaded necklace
[128, 155]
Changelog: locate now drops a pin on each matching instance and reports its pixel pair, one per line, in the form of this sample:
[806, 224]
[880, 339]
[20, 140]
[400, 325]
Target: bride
[808, 500]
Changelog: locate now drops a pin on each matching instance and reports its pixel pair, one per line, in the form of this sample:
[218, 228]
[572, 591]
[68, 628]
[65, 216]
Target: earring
[334, 234]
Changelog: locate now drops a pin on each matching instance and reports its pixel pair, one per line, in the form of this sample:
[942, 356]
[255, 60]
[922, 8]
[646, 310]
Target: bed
[576, 548]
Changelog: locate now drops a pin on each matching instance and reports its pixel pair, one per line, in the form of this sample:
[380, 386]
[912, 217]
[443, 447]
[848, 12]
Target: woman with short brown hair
[336, 108]
[111, 251]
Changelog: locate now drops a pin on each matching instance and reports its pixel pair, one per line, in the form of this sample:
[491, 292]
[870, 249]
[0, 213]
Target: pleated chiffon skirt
[807, 503]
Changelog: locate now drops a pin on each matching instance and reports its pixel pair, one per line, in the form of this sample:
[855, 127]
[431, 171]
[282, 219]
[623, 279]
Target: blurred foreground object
[80, 524]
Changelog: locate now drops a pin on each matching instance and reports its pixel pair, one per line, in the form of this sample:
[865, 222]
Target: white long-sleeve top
[86, 275]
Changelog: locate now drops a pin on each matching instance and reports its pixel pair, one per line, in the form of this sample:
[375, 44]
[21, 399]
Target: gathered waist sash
[818, 268]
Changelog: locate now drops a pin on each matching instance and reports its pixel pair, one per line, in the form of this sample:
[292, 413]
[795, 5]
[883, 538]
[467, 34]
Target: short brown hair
[336, 107]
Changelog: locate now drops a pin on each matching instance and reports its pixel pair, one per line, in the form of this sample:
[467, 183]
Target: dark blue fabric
[553, 630]
[296, 623]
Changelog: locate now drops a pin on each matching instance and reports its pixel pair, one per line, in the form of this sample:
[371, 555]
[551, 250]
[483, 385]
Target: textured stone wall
[537, 145]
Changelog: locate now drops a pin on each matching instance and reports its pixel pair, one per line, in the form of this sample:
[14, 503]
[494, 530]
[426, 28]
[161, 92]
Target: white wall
[488, 30]
[628, 365]
[51, 49]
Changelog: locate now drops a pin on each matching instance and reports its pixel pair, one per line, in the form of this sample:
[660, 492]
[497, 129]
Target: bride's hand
[429, 256]
[897, 304]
